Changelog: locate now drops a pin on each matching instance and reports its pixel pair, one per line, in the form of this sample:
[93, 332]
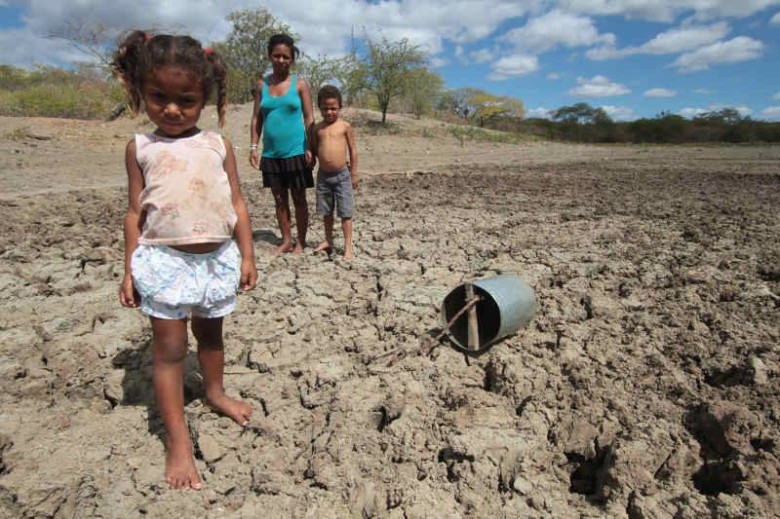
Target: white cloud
[735, 50]
[679, 39]
[539, 113]
[556, 28]
[30, 49]
[606, 52]
[667, 10]
[513, 66]
[775, 20]
[704, 91]
[436, 62]
[427, 23]
[660, 92]
[683, 39]
[553, 76]
[597, 86]
[690, 113]
[619, 113]
[771, 112]
[481, 56]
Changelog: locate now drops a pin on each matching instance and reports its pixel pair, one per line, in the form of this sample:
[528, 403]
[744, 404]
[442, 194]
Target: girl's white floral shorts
[174, 284]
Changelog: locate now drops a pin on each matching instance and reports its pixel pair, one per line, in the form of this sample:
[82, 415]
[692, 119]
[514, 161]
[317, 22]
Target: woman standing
[283, 115]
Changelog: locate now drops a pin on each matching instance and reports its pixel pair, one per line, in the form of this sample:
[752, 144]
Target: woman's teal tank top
[283, 133]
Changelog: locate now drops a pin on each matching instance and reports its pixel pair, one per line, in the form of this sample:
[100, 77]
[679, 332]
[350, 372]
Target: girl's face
[173, 98]
[281, 58]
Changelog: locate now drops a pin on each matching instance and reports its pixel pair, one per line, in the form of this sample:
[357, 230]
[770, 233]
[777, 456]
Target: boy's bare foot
[281, 249]
[323, 247]
[180, 470]
[236, 409]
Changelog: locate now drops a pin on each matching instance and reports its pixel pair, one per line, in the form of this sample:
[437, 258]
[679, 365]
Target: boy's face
[329, 108]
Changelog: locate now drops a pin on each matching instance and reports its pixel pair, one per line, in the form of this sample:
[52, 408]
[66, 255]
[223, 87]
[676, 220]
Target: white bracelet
[252, 147]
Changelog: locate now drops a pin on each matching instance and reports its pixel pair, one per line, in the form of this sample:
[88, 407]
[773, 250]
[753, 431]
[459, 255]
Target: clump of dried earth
[645, 387]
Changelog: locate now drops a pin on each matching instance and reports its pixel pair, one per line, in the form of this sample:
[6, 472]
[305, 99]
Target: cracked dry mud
[645, 387]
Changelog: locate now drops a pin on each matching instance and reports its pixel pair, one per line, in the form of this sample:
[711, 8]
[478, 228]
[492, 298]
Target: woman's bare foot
[281, 249]
[323, 247]
[180, 470]
[236, 409]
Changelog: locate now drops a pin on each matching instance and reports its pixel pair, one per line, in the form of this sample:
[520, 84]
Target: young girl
[185, 208]
[283, 114]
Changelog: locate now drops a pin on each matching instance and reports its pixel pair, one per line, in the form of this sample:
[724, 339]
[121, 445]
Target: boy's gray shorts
[334, 191]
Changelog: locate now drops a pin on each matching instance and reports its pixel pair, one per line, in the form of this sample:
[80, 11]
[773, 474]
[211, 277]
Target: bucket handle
[437, 340]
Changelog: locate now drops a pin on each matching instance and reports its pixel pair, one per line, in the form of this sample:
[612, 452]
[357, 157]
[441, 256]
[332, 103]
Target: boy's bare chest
[330, 132]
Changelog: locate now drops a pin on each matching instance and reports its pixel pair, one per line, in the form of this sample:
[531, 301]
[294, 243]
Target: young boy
[329, 143]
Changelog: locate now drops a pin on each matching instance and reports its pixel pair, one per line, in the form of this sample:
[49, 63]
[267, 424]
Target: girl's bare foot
[323, 247]
[236, 409]
[180, 470]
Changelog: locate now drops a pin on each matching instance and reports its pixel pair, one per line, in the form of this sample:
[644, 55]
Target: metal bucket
[507, 305]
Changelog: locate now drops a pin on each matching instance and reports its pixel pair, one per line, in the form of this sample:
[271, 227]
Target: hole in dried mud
[719, 477]
[520, 409]
[591, 476]
[733, 376]
[452, 458]
[708, 431]
[763, 444]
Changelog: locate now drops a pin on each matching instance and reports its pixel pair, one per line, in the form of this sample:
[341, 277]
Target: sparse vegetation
[17, 134]
[53, 92]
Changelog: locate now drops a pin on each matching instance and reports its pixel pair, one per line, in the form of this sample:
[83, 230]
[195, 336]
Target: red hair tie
[208, 50]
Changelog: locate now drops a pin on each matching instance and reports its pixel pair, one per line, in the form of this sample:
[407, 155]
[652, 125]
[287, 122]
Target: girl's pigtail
[220, 74]
[128, 67]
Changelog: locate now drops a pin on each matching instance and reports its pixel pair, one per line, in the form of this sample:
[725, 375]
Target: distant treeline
[583, 123]
[87, 92]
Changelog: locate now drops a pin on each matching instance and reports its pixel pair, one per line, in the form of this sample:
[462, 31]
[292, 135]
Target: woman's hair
[283, 39]
[140, 53]
[328, 92]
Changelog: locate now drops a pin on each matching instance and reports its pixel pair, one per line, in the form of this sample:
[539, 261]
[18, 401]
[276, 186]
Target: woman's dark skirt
[289, 173]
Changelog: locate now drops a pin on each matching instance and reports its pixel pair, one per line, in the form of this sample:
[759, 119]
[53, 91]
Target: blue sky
[634, 58]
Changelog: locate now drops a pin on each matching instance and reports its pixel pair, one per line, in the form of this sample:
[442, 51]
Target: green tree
[387, 67]
[318, 71]
[460, 101]
[424, 88]
[728, 116]
[490, 108]
[245, 49]
[581, 113]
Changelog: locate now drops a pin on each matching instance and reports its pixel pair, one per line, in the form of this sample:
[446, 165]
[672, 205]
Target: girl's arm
[133, 223]
[308, 116]
[353, 156]
[243, 228]
[256, 127]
